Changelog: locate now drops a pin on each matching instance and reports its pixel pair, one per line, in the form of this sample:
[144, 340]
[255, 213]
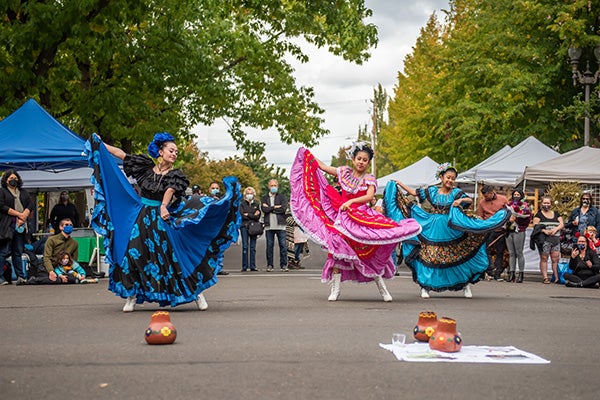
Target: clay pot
[446, 338]
[160, 330]
[426, 325]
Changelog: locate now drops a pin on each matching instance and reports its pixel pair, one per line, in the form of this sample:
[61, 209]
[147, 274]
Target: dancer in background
[450, 253]
[358, 239]
[161, 247]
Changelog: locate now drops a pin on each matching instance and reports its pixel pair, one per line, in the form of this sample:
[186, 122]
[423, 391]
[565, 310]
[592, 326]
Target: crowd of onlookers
[52, 257]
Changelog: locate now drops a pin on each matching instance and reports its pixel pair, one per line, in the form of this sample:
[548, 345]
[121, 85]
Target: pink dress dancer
[359, 240]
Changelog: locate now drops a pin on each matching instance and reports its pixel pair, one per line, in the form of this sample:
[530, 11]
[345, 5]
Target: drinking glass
[398, 339]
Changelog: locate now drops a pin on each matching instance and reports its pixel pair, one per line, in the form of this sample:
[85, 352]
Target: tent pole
[475, 196]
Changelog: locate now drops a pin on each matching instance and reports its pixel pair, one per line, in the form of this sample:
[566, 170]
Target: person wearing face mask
[250, 211]
[214, 191]
[61, 242]
[583, 216]
[64, 209]
[67, 269]
[15, 207]
[274, 205]
[515, 237]
[585, 266]
[549, 223]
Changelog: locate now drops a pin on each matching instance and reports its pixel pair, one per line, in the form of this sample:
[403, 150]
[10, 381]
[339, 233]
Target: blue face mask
[580, 246]
[68, 229]
[214, 192]
[273, 189]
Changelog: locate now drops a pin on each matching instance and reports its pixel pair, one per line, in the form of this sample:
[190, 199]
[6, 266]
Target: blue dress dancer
[162, 246]
[450, 253]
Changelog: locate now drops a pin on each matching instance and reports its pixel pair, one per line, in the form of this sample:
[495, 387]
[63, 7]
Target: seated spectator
[592, 236]
[585, 266]
[61, 242]
[67, 270]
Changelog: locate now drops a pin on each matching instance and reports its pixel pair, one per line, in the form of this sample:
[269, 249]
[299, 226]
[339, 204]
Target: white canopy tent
[581, 165]
[470, 175]
[421, 173]
[507, 169]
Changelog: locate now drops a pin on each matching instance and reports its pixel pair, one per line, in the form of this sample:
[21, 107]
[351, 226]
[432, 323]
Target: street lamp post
[586, 79]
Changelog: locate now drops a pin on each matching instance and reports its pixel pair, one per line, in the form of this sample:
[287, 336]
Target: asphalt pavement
[275, 336]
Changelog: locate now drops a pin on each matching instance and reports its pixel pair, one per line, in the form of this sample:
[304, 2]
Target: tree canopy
[127, 69]
[493, 73]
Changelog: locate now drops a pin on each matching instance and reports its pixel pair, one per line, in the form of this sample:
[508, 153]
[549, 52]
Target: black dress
[168, 262]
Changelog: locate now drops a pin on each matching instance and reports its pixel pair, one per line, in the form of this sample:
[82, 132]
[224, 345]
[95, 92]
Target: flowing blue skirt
[168, 262]
[450, 251]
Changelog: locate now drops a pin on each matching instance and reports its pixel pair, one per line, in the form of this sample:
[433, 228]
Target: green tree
[492, 74]
[127, 69]
[201, 170]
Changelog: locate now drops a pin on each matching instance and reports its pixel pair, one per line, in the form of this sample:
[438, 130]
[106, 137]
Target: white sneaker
[425, 293]
[129, 304]
[467, 291]
[201, 302]
[387, 297]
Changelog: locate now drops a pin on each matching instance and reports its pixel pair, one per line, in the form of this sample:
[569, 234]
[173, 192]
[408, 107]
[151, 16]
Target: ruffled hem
[361, 241]
[192, 244]
[444, 256]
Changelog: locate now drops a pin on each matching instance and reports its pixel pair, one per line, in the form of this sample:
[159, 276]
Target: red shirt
[487, 208]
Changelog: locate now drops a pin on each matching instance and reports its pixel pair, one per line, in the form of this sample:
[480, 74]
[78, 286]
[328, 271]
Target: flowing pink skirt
[360, 241]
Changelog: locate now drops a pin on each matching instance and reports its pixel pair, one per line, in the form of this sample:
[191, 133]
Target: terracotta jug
[446, 338]
[161, 330]
[426, 325]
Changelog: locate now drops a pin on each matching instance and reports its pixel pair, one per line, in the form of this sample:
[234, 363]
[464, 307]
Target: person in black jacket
[250, 211]
[64, 209]
[273, 205]
[15, 207]
[585, 265]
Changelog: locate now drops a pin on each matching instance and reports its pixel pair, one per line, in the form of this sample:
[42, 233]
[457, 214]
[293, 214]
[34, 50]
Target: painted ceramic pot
[160, 330]
[446, 338]
[426, 325]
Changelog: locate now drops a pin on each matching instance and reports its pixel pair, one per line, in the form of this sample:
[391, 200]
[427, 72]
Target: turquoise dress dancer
[162, 246]
[449, 253]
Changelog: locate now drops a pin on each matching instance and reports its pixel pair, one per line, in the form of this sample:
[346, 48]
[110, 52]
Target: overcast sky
[342, 89]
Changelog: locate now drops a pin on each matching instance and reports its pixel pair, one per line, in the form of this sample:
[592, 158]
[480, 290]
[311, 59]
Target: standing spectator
[250, 210]
[488, 206]
[64, 209]
[295, 241]
[515, 237]
[550, 224]
[583, 216]
[15, 207]
[196, 190]
[585, 266]
[273, 206]
[214, 191]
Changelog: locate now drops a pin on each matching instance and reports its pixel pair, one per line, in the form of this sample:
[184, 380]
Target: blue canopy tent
[31, 139]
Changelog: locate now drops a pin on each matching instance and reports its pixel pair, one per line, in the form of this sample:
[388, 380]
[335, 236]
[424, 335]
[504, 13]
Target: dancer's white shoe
[467, 291]
[425, 293]
[335, 283]
[201, 302]
[129, 304]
